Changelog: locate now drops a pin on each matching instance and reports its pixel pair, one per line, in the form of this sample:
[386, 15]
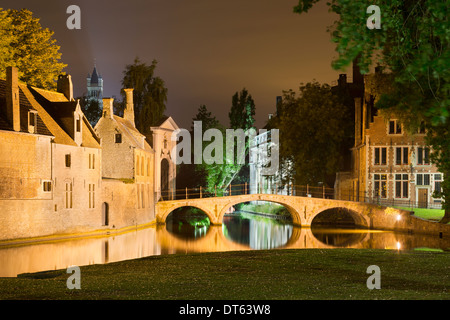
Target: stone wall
[122, 201]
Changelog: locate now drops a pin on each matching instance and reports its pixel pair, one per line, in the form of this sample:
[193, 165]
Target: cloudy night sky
[206, 49]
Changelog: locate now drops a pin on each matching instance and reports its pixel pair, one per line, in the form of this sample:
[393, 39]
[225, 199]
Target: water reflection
[238, 232]
[256, 231]
[339, 237]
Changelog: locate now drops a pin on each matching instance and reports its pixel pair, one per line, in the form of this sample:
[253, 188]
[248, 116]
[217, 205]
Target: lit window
[401, 186]
[380, 156]
[380, 189]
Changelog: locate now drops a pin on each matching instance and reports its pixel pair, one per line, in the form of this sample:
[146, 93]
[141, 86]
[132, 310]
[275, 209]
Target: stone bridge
[302, 209]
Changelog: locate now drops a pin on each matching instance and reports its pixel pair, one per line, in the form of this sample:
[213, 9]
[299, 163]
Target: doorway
[105, 213]
[422, 197]
[165, 179]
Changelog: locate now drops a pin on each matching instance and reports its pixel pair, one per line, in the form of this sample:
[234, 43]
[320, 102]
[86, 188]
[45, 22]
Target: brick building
[389, 165]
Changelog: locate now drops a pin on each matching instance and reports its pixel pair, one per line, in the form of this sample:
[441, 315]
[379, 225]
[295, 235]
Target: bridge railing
[245, 188]
[294, 190]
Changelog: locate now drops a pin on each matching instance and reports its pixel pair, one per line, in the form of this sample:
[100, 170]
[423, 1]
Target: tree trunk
[446, 218]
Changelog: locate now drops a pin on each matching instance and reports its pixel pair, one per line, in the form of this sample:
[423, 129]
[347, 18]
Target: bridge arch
[171, 209]
[296, 220]
[359, 219]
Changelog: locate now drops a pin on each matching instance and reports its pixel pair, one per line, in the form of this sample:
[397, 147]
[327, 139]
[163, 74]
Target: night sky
[206, 49]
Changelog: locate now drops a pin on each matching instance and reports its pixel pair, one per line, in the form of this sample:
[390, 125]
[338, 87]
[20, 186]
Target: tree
[312, 131]
[29, 47]
[413, 44]
[149, 95]
[91, 109]
[242, 111]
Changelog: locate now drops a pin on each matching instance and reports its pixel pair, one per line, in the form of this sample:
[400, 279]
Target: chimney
[12, 97]
[65, 86]
[108, 109]
[128, 113]
[358, 78]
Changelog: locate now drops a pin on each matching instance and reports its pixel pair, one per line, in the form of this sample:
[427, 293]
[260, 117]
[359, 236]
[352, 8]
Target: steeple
[95, 86]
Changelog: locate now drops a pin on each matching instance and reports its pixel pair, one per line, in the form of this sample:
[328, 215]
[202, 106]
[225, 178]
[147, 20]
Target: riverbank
[264, 275]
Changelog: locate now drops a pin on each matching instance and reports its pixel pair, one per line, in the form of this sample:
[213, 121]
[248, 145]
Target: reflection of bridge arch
[215, 241]
[302, 209]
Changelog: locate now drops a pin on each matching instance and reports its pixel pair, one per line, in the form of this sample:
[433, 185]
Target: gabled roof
[25, 107]
[132, 134]
[62, 113]
[166, 123]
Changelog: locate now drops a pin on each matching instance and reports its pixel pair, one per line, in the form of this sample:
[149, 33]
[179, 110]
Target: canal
[188, 231]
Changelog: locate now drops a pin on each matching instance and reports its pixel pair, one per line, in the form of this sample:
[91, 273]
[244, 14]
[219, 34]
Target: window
[423, 156]
[423, 179]
[68, 160]
[380, 156]
[78, 124]
[47, 186]
[32, 121]
[395, 127]
[68, 196]
[421, 129]
[92, 161]
[380, 189]
[401, 155]
[118, 138]
[437, 185]
[91, 196]
[137, 165]
[138, 187]
[142, 166]
[142, 196]
[148, 167]
[401, 186]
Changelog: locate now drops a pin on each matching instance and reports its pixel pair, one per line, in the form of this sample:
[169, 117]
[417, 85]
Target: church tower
[95, 87]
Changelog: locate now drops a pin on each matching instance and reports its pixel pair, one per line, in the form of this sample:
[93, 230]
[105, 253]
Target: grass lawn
[429, 214]
[247, 275]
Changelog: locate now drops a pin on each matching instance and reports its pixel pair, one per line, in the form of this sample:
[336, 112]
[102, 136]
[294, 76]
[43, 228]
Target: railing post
[276, 187]
[230, 189]
[215, 190]
[307, 189]
[323, 186]
[186, 192]
[245, 188]
[200, 192]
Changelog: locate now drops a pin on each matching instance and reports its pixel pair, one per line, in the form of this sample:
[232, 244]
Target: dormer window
[78, 124]
[32, 121]
[118, 138]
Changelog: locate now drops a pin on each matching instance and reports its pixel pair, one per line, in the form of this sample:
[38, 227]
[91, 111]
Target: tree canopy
[29, 47]
[312, 131]
[149, 95]
[413, 44]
